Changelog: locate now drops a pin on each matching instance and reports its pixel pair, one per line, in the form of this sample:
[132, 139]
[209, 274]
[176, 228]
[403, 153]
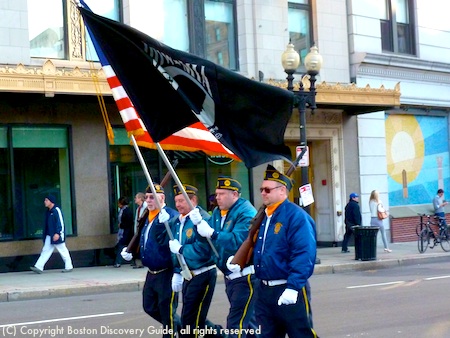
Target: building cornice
[51, 80]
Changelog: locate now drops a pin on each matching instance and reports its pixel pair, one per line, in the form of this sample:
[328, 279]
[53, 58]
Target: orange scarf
[223, 213]
[271, 208]
[152, 214]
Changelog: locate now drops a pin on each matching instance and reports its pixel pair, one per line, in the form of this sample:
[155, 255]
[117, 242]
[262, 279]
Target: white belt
[156, 272]
[201, 270]
[274, 282]
[247, 271]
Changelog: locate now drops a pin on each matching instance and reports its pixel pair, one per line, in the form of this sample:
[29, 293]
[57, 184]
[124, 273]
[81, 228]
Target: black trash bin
[366, 243]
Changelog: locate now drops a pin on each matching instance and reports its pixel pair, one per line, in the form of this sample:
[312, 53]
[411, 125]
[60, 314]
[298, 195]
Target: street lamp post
[290, 60]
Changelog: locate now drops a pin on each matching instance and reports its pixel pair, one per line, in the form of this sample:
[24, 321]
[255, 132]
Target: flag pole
[185, 272]
[181, 187]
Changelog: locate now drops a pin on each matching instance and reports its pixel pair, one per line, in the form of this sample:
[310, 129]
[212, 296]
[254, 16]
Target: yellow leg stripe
[200, 310]
[247, 304]
[308, 313]
[172, 325]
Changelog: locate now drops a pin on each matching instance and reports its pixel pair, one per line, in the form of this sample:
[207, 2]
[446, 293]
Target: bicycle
[429, 236]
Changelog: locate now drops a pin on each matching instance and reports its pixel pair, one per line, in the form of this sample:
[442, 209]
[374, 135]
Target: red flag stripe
[193, 138]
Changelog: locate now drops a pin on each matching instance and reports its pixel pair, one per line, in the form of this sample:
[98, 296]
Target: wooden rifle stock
[245, 252]
[133, 246]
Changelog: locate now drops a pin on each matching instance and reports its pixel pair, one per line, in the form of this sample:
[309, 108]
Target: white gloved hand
[204, 229]
[175, 246]
[233, 267]
[288, 296]
[163, 216]
[128, 256]
[177, 282]
[195, 216]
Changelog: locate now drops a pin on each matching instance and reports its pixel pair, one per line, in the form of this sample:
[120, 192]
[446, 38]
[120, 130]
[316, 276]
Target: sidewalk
[90, 280]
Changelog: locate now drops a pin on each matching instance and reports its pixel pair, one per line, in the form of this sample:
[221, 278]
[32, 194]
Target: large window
[206, 28]
[107, 8]
[397, 27]
[39, 159]
[46, 29]
[299, 23]
[220, 33]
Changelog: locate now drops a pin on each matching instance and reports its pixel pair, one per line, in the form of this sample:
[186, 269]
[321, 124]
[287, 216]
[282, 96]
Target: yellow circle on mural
[405, 148]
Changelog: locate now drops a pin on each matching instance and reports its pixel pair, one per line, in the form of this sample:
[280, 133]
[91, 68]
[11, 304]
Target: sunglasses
[268, 190]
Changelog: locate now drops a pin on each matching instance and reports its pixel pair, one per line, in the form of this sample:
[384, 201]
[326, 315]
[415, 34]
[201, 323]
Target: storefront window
[40, 163]
[194, 168]
[6, 218]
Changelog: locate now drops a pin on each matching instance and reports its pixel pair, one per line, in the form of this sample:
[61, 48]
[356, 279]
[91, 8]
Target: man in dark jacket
[158, 299]
[53, 236]
[352, 219]
[126, 229]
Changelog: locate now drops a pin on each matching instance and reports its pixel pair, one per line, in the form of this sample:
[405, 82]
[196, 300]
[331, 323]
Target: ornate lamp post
[290, 60]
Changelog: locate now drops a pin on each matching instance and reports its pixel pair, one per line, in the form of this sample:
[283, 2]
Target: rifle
[245, 252]
[133, 246]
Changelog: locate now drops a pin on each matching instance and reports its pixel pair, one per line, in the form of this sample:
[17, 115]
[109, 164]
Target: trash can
[366, 243]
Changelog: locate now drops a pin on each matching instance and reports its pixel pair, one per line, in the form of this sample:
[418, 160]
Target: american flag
[193, 138]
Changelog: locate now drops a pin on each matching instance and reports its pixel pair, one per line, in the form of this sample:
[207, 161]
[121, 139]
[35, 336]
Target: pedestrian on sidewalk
[439, 207]
[53, 237]
[352, 219]
[376, 205]
[139, 199]
[126, 230]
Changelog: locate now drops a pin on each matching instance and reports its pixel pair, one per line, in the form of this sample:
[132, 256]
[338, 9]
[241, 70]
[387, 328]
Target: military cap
[159, 189]
[272, 174]
[225, 182]
[190, 189]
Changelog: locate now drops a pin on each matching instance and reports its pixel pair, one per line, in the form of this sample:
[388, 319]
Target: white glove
[126, 255]
[163, 216]
[195, 216]
[175, 246]
[233, 267]
[177, 282]
[204, 229]
[288, 296]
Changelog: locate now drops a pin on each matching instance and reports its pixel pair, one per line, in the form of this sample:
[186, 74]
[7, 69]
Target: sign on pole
[304, 162]
[306, 195]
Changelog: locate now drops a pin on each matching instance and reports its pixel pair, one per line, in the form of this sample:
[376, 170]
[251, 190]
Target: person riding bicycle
[439, 205]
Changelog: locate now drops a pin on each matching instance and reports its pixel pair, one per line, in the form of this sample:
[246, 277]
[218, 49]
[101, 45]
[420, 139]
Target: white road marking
[433, 278]
[64, 319]
[371, 285]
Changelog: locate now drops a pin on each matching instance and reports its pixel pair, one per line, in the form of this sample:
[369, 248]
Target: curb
[377, 264]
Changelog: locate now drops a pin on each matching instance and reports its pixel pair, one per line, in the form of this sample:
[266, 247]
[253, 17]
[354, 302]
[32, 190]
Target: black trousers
[197, 296]
[276, 321]
[348, 234]
[241, 295]
[160, 302]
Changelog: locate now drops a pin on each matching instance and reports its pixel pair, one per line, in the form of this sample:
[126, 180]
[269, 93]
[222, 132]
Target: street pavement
[100, 279]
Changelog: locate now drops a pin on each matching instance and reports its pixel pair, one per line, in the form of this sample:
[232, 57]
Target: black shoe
[66, 270]
[138, 266]
[116, 265]
[345, 251]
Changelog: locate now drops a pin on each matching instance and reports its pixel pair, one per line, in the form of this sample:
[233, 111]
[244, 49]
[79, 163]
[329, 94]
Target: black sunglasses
[268, 190]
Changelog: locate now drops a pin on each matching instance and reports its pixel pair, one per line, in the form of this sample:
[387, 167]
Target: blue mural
[417, 157]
